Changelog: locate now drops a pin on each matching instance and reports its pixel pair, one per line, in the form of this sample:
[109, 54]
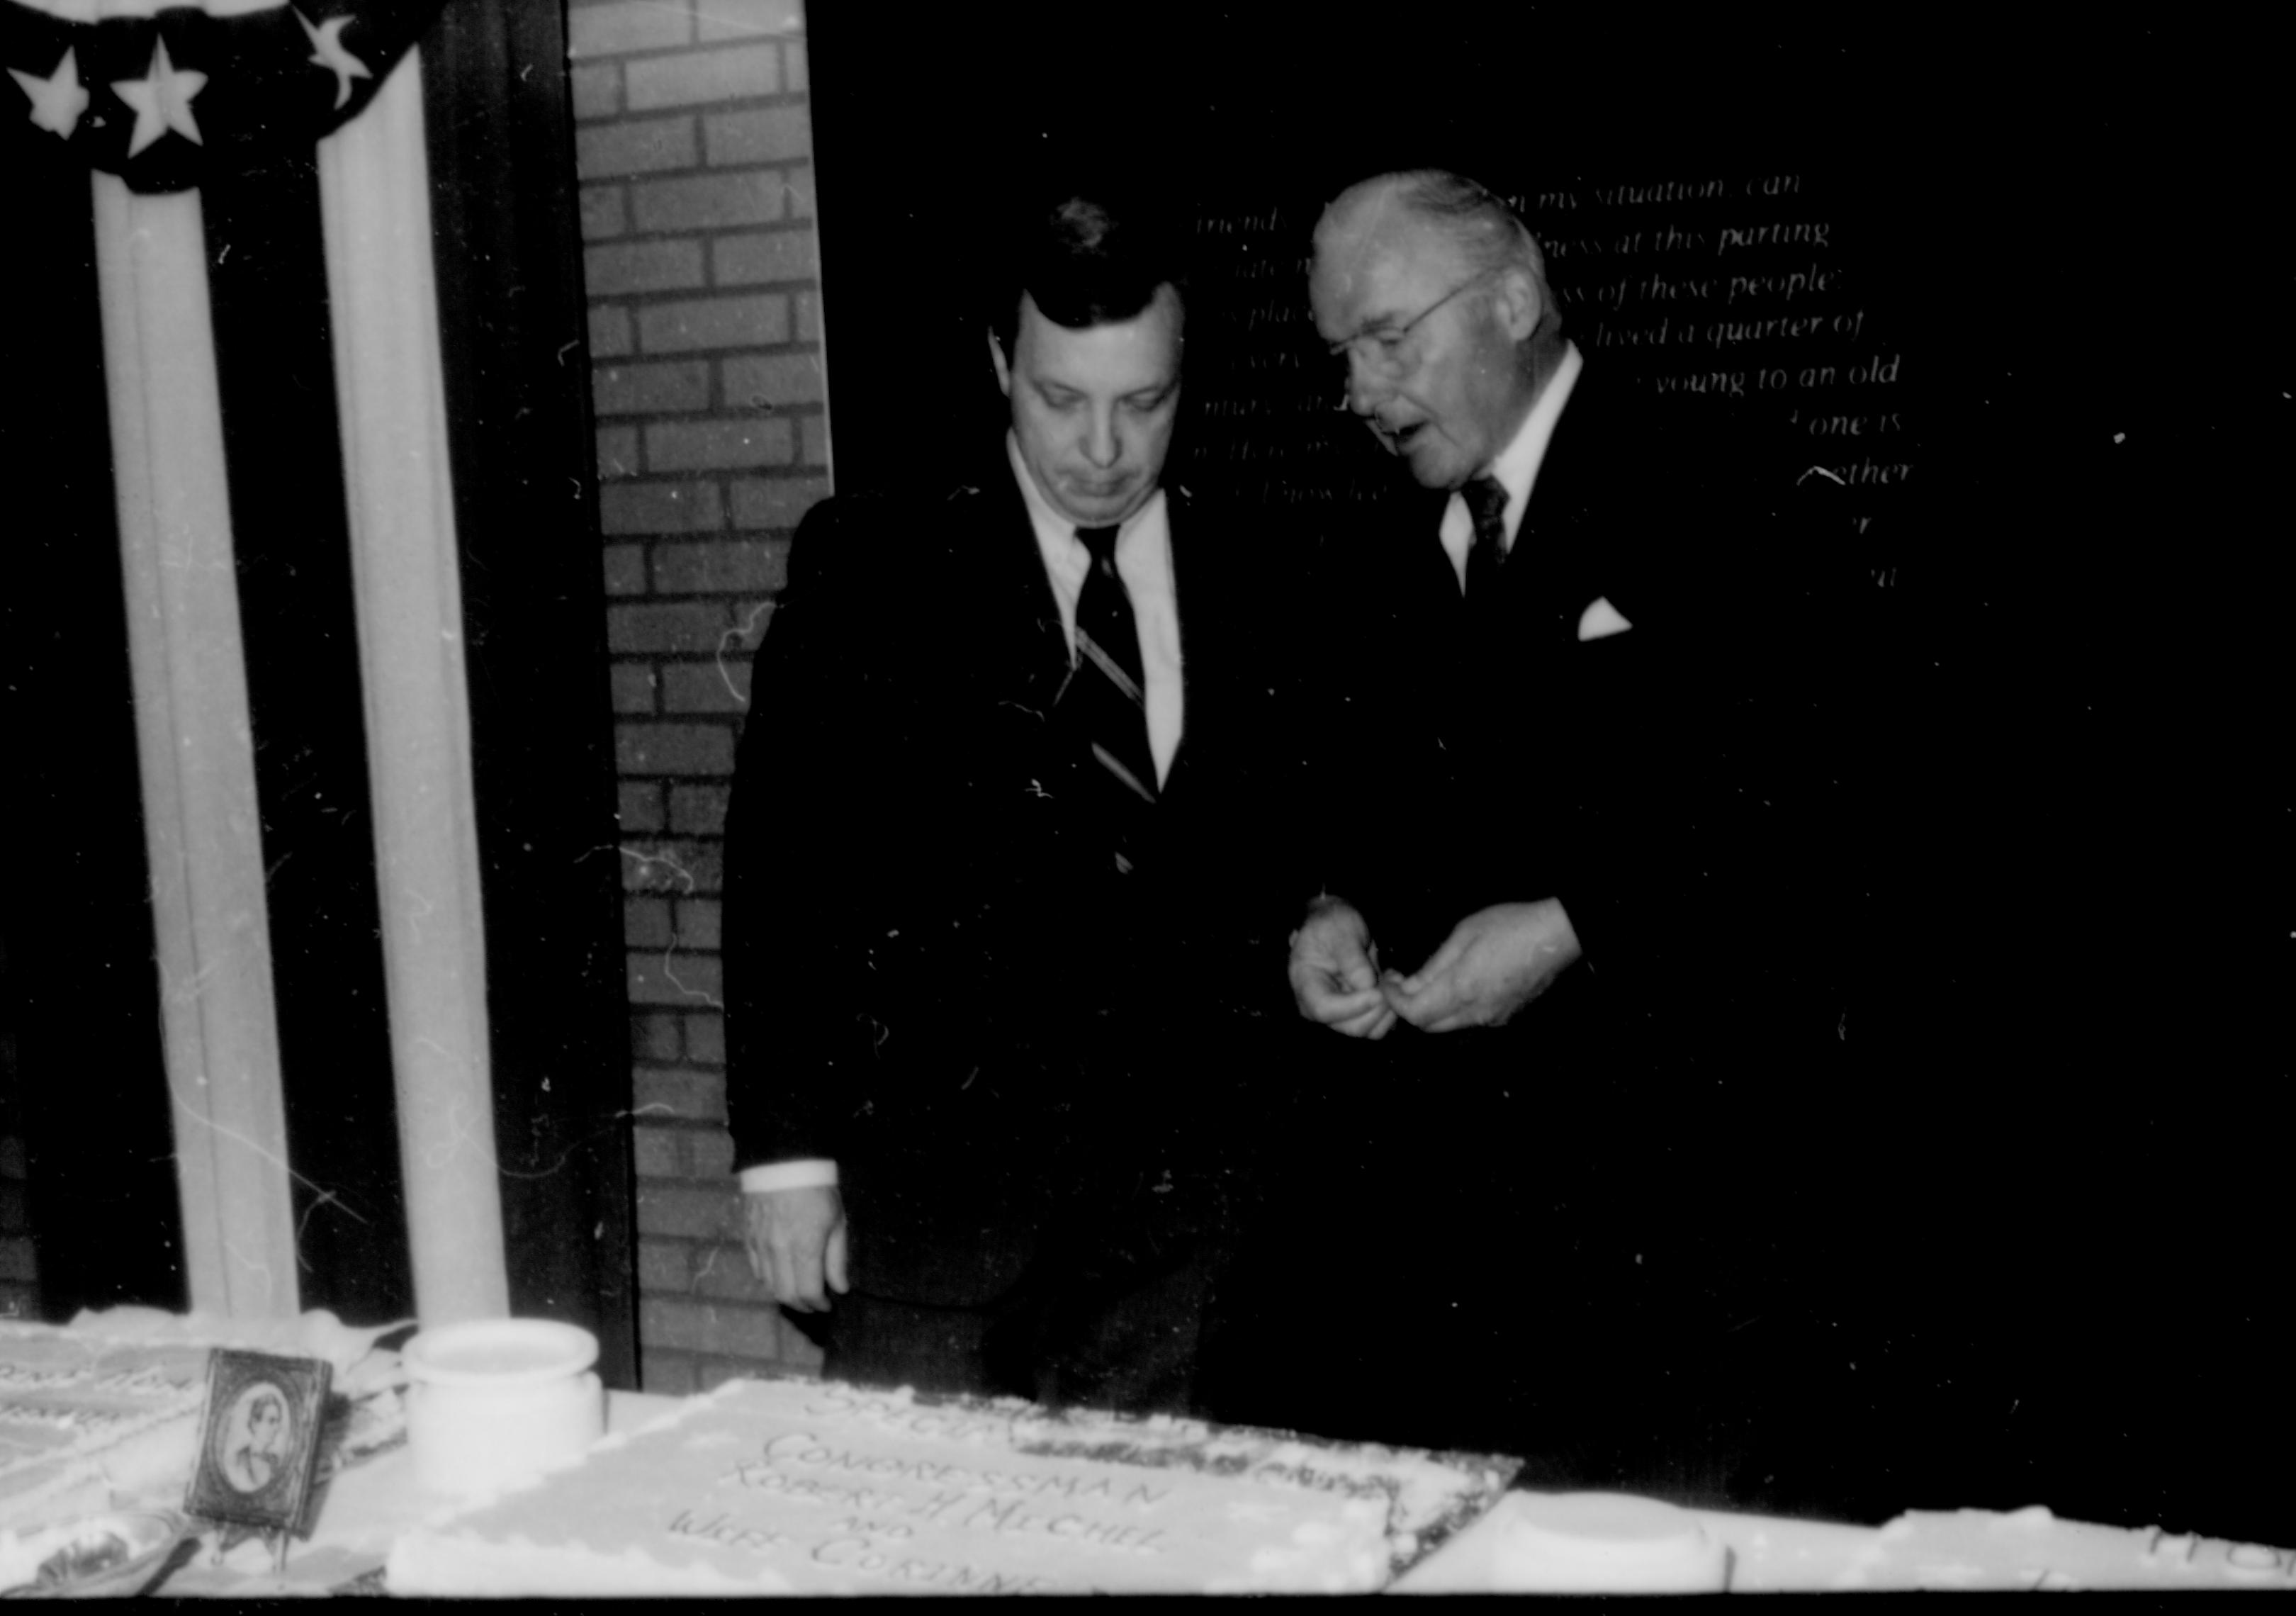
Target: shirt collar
[1517, 465]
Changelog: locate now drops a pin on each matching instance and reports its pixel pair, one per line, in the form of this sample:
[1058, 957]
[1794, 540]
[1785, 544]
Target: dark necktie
[1103, 706]
[1487, 504]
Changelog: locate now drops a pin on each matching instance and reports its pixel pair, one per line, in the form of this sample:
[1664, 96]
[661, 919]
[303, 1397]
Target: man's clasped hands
[1495, 962]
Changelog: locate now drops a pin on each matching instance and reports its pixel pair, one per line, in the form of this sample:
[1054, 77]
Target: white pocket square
[1601, 619]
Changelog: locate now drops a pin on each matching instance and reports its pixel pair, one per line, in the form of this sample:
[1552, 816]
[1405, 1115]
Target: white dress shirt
[1143, 560]
[1517, 465]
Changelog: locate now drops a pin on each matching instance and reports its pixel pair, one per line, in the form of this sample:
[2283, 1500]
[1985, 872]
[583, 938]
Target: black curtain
[99, 1148]
[513, 331]
[290, 539]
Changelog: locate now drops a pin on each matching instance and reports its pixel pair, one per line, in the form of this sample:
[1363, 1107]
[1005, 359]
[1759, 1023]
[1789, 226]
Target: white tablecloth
[362, 1511]
[366, 1507]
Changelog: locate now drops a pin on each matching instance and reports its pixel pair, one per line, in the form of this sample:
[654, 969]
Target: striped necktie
[1486, 503]
[1104, 705]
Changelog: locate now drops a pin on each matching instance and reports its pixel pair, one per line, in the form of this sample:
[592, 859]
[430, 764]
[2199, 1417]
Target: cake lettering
[857, 1553]
[887, 1504]
[764, 1479]
[995, 1517]
[811, 1451]
[863, 1526]
[907, 1419]
[723, 1530]
[785, 1486]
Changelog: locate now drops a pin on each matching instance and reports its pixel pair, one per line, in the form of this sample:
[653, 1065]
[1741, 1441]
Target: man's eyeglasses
[1387, 350]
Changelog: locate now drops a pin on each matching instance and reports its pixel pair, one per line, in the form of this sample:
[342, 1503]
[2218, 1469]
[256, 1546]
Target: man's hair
[1086, 262]
[1488, 234]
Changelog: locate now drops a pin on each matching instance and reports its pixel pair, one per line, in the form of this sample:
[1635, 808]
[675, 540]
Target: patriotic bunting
[165, 95]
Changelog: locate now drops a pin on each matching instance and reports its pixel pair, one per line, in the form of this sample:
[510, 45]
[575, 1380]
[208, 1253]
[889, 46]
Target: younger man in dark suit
[991, 934]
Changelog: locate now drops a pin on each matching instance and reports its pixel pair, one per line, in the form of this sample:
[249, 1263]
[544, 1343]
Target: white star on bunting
[162, 100]
[327, 41]
[57, 99]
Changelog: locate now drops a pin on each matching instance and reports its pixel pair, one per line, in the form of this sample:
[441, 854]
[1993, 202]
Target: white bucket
[497, 1400]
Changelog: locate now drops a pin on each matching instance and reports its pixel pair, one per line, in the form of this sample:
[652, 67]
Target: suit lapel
[1191, 606]
[1569, 465]
[1019, 619]
[1553, 589]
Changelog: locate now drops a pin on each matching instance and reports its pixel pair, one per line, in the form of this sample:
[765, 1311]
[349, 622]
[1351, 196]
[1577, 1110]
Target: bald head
[1366, 219]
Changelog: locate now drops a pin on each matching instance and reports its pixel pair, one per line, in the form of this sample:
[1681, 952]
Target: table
[366, 1507]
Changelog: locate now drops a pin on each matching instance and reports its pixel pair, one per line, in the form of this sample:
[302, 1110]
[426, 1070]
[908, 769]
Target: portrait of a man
[258, 1437]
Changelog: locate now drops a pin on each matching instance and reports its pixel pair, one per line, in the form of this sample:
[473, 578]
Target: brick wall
[694, 148]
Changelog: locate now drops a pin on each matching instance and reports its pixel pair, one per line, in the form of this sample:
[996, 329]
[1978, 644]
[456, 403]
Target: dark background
[2017, 1234]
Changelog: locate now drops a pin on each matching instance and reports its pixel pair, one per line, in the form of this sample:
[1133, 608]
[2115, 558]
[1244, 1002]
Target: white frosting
[1596, 1543]
[813, 1487]
[1975, 1548]
[84, 1421]
[105, 1411]
[1578, 1543]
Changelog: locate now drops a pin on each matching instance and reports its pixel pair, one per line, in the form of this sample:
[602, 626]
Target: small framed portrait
[259, 1443]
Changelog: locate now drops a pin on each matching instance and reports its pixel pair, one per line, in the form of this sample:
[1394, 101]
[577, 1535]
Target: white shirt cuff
[807, 1173]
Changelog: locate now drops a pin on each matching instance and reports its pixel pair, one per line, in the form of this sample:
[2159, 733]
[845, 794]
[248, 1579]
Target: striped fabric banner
[279, 621]
[172, 97]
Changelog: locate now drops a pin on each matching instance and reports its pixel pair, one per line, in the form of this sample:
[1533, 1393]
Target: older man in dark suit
[1514, 585]
[996, 961]
[1523, 925]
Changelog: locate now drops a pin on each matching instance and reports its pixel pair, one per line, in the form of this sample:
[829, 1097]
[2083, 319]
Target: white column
[201, 824]
[374, 188]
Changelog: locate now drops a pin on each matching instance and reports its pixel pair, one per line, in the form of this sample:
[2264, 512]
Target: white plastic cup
[497, 1400]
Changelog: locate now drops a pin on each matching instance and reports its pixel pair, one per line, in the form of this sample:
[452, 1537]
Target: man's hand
[1335, 973]
[797, 1240]
[1494, 963]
